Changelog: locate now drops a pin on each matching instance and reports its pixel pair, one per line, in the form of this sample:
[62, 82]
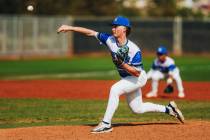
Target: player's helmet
[121, 21]
[161, 50]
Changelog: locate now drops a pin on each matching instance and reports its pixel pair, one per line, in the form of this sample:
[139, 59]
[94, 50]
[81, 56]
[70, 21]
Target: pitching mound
[192, 130]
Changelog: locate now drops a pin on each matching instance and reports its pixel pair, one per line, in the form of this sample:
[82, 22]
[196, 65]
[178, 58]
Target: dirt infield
[91, 89]
[88, 89]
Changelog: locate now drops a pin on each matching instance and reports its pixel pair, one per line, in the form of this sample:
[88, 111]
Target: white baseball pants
[131, 88]
[156, 75]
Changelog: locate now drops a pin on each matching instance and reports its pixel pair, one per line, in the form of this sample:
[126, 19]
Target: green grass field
[34, 112]
[39, 112]
[192, 68]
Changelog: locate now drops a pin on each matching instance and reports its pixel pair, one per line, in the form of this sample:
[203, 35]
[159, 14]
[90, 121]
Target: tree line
[156, 8]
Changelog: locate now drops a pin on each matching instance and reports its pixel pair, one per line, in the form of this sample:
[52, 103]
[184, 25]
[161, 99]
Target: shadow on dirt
[138, 124]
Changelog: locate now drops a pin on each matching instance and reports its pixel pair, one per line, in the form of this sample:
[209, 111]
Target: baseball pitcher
[127, 57]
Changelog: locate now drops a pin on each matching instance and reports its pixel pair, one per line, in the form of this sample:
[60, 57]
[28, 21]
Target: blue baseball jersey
[134, 55]
[164, 67]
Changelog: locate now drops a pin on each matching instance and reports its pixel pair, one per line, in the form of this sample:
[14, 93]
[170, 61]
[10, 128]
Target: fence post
[14, 36]
[20, 38]
[70, 38]
[177, 36]
[4, 39]
[50, 29]
[35, 33]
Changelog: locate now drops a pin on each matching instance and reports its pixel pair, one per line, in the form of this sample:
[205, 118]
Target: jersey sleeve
[136, 61]
[103, 37]
[172, 67]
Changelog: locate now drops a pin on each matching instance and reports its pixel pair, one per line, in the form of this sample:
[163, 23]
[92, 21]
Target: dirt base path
[91, 89]
[88, 89]
[139, 131]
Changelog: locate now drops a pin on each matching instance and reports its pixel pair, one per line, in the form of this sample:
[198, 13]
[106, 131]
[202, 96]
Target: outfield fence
[23, 36]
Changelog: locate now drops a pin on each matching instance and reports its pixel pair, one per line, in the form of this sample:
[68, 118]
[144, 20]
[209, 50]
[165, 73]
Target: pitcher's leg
[137, 106]
[113, 101]
[126, 85]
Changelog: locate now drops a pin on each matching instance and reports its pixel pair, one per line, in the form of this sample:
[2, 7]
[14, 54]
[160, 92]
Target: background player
[127, 58]
[164, 67]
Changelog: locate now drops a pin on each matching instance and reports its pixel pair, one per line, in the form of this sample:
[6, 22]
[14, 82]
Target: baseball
[30, 8]
[169, 81]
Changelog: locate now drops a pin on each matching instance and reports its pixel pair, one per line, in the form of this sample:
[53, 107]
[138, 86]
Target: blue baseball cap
[121, 21]
[161, 50]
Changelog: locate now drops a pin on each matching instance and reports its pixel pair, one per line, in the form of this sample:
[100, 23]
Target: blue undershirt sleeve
[102, 37]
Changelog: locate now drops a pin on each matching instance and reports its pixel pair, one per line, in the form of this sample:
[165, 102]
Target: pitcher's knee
[114, 91]
[114, 88]
[138, 110]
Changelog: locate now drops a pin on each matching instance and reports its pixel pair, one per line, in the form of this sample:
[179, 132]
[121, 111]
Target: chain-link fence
[147, 34]
[23, 36]
[196, 36]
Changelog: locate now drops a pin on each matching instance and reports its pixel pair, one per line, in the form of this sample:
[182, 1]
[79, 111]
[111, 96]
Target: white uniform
[161, 70]
[129, 85]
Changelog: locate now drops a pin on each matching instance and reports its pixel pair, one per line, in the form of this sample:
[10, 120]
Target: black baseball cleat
[102, 128]
[175, 111]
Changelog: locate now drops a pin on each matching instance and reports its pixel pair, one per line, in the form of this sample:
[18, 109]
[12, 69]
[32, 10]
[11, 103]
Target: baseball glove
[169, 89]
[120, 56]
